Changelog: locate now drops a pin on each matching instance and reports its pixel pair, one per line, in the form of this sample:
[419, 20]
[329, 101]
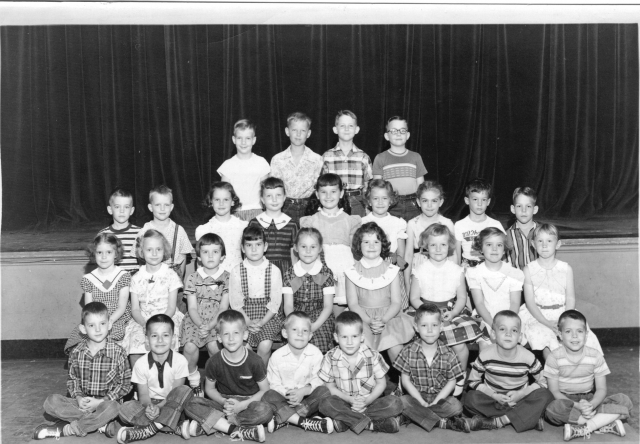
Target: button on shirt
[354, 169]
[523, 250]
[360, 381]
[299, 180]
[288, 372]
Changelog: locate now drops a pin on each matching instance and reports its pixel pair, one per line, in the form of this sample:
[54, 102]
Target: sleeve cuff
[287, 290]
[329, 291]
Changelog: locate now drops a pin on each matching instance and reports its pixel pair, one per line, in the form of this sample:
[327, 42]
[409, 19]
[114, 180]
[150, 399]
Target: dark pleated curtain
[86, 108]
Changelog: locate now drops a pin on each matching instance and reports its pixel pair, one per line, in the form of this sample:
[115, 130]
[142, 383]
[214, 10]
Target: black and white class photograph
[326, 223]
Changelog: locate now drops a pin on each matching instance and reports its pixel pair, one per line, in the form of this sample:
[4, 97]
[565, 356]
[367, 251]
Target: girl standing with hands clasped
[548, 292]
[494, 284]
[154, 290]
[224, 201]
[207, 292]
[373, 292]
[441, 282]
[108, 284]
[337, 228]
[309, 286]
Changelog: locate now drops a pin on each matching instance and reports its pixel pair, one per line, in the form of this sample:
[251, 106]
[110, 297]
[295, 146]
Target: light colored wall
[41, 290]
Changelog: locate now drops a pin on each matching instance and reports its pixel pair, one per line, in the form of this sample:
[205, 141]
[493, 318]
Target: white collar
[324, 213]
[286, 350]
[280, 222]
[109, 277]
[144, 273]
[214, 276]
[375, 263]
[99, 282]
[315, 269]
[262, 266]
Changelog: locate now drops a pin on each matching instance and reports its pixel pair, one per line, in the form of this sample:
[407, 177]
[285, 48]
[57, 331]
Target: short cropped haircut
[159, 319]
[550, 229]
[296, 314]
[370, 228]
[208, 201]
[478, 185]
[105, 238]
[271, 183]
[572, 314]
[93, 308]
[525, 191]
[436, 230]
[506, 314]
[149, 234]
[383, 184]
[391, 119]
[298, 117]
[244, 124]
[426, 308]
[348, 318]
[429, 185]
[160, 189]
[120, 192]
[253, 233]
[488, 232]
[345, 112]
[229, 317]
[309, 231]
[210, 239]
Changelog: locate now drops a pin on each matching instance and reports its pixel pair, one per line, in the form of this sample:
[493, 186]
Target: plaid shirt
[523, 250]
[360, 381]
[106, 375]
[354, 169]
[428, 379]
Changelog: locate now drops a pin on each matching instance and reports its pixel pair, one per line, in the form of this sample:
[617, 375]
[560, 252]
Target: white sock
[194, 378]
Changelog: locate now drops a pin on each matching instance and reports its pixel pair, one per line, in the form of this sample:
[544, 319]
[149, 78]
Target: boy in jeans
[403, 168]
[349, 162]
[296, 390]
[355, 376]
[428, 401]
[236, 380]
[99, 376]
[121, 208]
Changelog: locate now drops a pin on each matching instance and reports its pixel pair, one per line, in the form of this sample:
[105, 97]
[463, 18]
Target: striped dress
[281, 234]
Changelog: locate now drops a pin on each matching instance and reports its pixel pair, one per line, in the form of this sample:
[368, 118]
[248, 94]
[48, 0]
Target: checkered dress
[256, 308]
[462, 328]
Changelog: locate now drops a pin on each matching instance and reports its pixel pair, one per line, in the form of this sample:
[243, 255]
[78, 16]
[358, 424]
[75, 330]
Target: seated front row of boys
[346, 385]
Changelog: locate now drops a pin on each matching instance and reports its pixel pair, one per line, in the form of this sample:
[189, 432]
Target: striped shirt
[503, 375]
[360, 381]
[106, 375]
[354, 169]
[575, 376]
[523, 250]
[128, 237]
[401, 170]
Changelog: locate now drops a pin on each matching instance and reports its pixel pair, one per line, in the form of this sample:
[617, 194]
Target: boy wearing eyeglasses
[402, 167]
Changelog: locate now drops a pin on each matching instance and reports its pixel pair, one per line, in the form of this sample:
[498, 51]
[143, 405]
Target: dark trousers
[382, 408]
[133, 412]
[295, 209]
[208, 412]
[308, 407]
[523, 416]
[428, 417]
[562, 411]
[406, 209]
[358, 205]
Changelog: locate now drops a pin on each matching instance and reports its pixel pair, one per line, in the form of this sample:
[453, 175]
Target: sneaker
[50, 430]
[388, 425]
[404, 420]
[138, 433]
[481, 423]
[183, 430]
[197, 391]
[195, 429]
[458, 424]
[615, 428]
[540, 425]
[339, 426]
[576, 431]
[272, 425]
[322, 425]
[254, 433]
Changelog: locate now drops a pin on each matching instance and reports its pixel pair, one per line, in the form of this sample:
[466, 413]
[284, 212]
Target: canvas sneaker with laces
[195, 429]
[576, 431]
[339, 426]
[615, 428]
[254, 433]
[387, 425]
[273, 425]
[138, 433]
[315, 424]
[111, 429]
[55, 430]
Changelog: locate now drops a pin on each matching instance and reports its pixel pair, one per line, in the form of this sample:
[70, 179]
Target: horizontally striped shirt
[354, 169]
[575, 376]
[503, 375]
[128, 237]
[523, 250]
[360, 381]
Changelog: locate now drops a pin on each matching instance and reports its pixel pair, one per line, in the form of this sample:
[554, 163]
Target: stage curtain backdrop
[86, 108]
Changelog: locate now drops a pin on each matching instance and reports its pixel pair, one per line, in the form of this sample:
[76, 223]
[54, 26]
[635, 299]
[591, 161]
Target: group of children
[292, 255]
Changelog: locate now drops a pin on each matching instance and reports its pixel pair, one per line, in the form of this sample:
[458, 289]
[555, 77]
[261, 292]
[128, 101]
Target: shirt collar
[214, 276]
[354, 149]
[146, 275]
[364, 351]
[417, 347]
[368, 265]
[287, 153]
[286, 350]
[324, 213]
[279, 222]
[315, 269]
[168, 361]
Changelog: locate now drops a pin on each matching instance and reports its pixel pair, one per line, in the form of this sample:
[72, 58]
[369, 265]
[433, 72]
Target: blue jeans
[382, 408]
[358, 205]
[562, 411]
[133, 412]
[208, 412]
[428, 417]
[406, 208]
[67, 409]
[295, 208]
[308, 407]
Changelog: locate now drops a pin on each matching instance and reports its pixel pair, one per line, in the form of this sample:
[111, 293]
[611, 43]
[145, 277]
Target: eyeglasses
[402, 131]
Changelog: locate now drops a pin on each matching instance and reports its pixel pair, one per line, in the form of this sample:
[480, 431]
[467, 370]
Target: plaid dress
[256, 309]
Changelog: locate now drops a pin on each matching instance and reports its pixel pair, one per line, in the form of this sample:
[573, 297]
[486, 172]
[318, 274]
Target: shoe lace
[137, 434]
[582, 431]
[609, 428]
[312, 424]
[241, 434]
[53, 433]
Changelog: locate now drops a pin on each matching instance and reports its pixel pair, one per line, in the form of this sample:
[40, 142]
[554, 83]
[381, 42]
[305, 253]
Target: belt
[298, 201]
[408, 197]
[353, 192]
[550, 307]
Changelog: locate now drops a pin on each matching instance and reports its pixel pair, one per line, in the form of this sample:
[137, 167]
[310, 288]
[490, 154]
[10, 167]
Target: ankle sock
[67, 430]
[442, 423]
[194, 378]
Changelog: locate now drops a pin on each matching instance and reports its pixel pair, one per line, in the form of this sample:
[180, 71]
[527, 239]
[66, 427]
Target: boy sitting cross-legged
[159, 377]
[355, 376]
[577, 377]
[236, 380]
[429, 371]
[99, 376]
[499, 378]
[296, 390]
